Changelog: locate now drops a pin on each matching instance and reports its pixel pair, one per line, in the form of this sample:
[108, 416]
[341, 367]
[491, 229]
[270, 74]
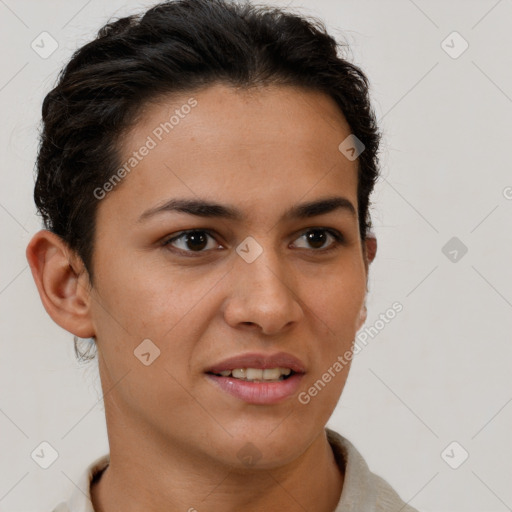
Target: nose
[262, 296]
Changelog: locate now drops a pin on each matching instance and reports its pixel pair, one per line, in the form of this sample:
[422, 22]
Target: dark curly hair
[178, 46]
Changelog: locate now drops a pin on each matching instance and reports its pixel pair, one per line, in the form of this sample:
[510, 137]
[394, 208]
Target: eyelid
[180, 234]
[339, 239]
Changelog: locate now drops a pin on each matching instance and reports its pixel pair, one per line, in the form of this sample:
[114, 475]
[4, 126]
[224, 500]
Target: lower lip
[260, 393]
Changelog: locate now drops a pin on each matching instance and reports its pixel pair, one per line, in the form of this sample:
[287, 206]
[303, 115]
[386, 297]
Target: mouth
[257, 374]
[258, 378]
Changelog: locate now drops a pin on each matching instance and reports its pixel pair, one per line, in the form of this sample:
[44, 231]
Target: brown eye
[196, 241]
[191, 241]
[318, 237]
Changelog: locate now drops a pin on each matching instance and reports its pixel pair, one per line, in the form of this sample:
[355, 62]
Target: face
[263, 275]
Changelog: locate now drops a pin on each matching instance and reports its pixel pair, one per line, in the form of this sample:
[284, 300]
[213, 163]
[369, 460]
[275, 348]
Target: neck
[153, 479]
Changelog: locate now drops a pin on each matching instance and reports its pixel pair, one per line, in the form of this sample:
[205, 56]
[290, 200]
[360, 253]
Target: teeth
[239, 373]
[271, 373]
[257, 374]
[254, 374]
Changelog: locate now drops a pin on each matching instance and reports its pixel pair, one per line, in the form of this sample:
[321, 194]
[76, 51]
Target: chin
[263, 448]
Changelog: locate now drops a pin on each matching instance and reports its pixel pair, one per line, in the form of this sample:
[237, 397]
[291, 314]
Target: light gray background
[439, 372]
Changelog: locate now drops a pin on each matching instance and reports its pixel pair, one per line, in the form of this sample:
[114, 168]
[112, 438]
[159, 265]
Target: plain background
[439, 372]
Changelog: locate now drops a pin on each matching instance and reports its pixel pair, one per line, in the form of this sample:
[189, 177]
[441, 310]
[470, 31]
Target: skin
[174, 437]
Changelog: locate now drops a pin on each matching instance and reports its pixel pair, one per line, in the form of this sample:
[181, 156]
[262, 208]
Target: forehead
[251, 147]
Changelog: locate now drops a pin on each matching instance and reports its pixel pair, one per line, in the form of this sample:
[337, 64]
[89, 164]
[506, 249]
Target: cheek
[168, 308]
[144, 300]
[337, 300]
[142, 332]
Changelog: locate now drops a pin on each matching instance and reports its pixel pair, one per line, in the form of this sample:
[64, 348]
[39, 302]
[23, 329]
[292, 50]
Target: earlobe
[62, 283]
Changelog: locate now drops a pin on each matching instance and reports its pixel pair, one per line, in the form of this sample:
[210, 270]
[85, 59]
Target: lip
[263, 361]
[259, 393]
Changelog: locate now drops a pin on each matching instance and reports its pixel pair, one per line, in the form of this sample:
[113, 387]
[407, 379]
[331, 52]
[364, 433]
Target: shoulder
[80, 499]
[387, 499]
[61, 507]
[362, 489]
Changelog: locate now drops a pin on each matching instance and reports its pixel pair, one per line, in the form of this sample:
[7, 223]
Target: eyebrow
[203, 208]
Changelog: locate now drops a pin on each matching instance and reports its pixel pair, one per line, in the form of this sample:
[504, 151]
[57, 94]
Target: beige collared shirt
[363, 491]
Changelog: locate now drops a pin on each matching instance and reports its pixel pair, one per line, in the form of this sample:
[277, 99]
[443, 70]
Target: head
[226, 119]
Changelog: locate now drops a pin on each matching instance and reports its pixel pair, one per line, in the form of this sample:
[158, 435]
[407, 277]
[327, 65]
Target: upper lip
[261, 361]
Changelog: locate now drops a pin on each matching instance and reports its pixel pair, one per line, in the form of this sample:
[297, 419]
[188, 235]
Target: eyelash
[338, 240]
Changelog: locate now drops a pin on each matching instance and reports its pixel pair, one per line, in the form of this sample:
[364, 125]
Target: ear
[62, 282]
[369, 252]
[362, 316]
